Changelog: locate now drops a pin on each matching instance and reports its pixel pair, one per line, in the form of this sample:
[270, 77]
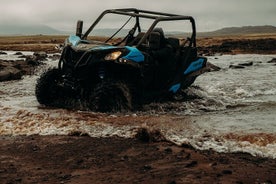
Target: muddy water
[230, 110]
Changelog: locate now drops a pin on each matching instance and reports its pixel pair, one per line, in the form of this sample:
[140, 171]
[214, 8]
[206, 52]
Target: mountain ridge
[47, 30]
[240, 30]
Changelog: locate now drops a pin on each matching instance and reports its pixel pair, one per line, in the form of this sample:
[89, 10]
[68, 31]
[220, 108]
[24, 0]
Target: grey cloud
[210, 15]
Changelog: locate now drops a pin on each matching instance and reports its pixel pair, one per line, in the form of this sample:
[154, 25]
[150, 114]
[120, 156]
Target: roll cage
[137, 14]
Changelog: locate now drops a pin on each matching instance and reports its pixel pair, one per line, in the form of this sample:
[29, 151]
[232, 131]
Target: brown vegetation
[207, 45]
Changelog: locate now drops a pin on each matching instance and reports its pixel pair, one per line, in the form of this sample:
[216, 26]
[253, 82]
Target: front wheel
[110, 96]
[48, 90]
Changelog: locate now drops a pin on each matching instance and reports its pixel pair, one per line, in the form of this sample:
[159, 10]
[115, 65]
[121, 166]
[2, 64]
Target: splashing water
[232, 110]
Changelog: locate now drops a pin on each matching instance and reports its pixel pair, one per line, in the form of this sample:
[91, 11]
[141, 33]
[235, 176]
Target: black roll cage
[137, 13]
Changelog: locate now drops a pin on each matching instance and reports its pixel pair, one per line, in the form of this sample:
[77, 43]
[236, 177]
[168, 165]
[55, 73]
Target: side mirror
[79, 28]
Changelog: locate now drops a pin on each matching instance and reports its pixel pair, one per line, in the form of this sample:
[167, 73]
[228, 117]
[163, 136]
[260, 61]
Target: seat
[154, 41]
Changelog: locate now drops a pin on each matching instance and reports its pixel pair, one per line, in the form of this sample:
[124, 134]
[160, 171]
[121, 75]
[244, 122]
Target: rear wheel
[110, 96]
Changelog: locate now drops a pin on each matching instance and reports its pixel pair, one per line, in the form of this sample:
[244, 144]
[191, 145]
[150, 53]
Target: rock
[236, 66]
[32, 60]
[40, 56]
[246, 64]
[18, 53]
[14, 70]
[146, 135]
[3, 53]
[211, 67]
[10, 73]
[54, 57]
[272, 60]
[241, 65]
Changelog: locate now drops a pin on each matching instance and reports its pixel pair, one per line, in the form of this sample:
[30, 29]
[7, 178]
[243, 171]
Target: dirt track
[73, 159]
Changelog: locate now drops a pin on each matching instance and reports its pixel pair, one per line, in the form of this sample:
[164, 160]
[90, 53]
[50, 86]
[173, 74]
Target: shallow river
[232, 110]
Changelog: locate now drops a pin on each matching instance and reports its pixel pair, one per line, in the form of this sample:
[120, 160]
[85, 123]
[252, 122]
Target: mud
[74, 159]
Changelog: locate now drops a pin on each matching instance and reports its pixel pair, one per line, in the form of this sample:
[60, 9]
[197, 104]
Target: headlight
[113, 55]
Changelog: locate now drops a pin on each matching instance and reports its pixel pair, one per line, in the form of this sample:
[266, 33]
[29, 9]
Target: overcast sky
[209, 14]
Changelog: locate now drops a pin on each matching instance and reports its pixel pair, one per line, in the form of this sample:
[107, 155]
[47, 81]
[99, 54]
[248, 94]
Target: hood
[131, 54]
[78, 44]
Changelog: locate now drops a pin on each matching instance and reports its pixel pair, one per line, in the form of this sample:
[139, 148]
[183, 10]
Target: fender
[134, 55]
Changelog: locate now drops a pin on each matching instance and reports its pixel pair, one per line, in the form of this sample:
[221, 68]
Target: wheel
[110, 96]
[48, 92]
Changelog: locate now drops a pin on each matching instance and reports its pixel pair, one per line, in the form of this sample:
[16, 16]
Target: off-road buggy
[122, 72]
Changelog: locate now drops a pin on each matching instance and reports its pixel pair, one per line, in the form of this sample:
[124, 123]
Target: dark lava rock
[40, 56]
[54, 57]
[272, 60]
[18, 53]
[241, 65]
[236, 67]
[3, 53]
[146, 135]
[10, 73]
[246, 64]
[15, 69]
[266, 45]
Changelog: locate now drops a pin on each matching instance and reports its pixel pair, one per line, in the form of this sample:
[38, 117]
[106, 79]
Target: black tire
[110, 96]
[47, 91]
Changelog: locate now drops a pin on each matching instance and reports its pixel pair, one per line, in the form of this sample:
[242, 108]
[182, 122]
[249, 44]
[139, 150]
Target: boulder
[272, 60]
[15, 69]
[40, 56]
[18, 53]
[236, 66]
[246, 64]
[10, 73]
[3, 53]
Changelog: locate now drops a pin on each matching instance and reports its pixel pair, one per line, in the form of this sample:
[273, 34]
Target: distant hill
[240, 30]
[46, 30]
[19, 29]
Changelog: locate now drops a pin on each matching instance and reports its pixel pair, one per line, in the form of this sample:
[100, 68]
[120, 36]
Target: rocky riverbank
[26, 65]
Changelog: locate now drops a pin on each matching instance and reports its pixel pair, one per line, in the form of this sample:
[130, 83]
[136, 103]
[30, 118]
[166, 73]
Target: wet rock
[32, 60]
[10, 73]
[211, 67]
[15, 69]
[241, 65]
[246, 64]
[54, 57]
[146, 135]
[236, 66]
[272, 61]
[18, 53]
[40, 56]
